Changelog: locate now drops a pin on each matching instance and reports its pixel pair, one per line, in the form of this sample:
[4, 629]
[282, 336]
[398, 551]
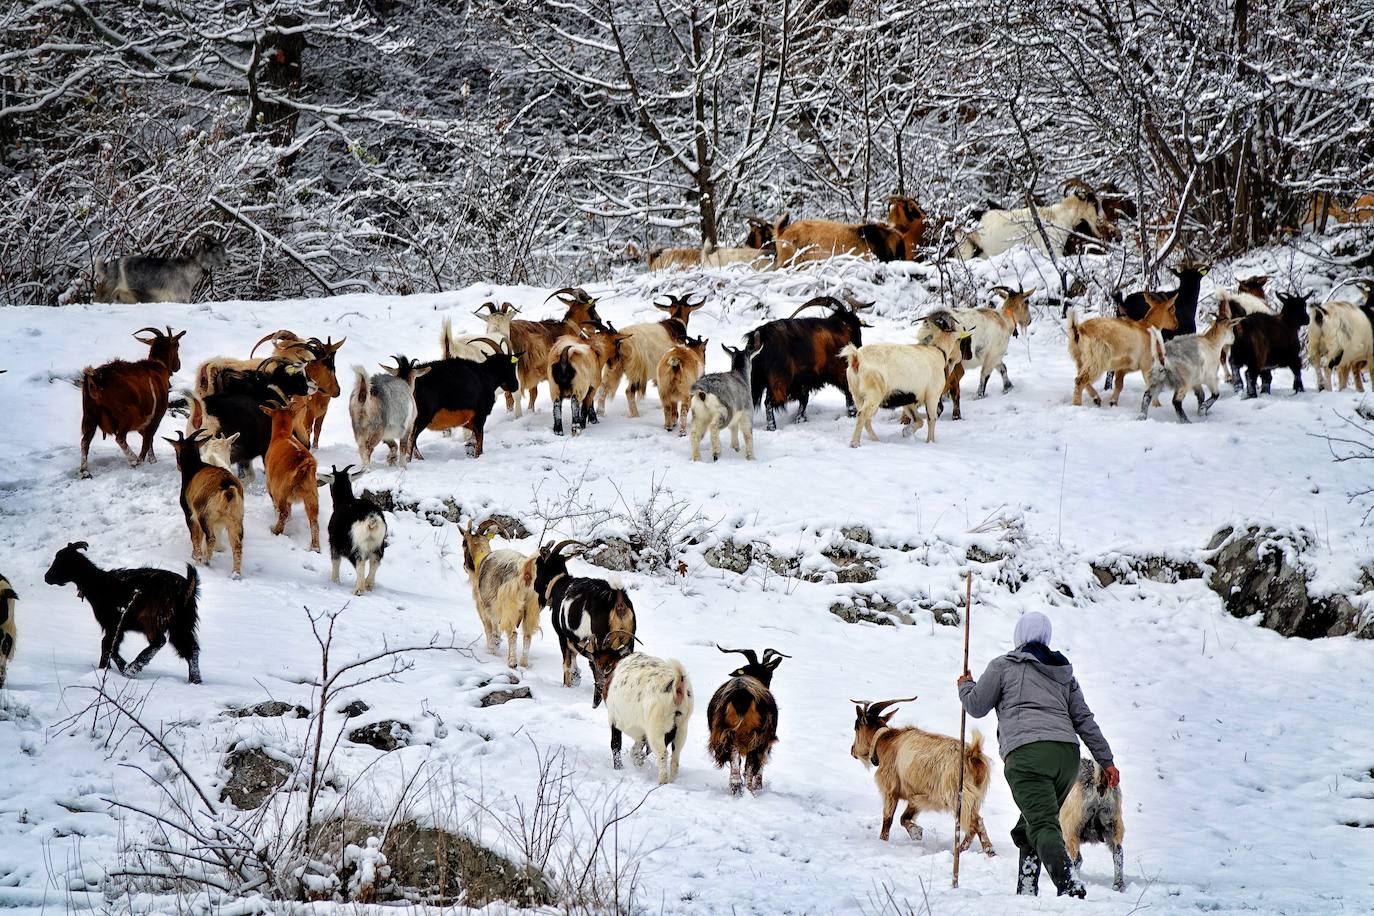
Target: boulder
[253, 777]
[386, 735]
[270, 709]
[501, 696]
[1260, 571]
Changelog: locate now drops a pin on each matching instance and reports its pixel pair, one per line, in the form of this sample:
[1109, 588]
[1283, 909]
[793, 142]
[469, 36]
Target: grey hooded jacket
[1035, 701]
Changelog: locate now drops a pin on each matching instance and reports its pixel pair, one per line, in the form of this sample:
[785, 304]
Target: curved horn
[577, 293]
[156, 332]
[769, 653]
[495, 347]
[492, 523]
[77, 545]
[267, 338]
[489, 306]
[1004, 290]
[875, 709]
[827, 301]
[1076, 183]
[747, 653]
[558, 548]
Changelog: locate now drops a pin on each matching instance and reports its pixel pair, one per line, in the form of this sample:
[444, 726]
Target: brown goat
[574, 372]
[916, 227]
[679, 367]
[291, 470]
[533, 340]
[639, 353]
[818, 239]
[743, 716]
[318, 359]
[211, 499]
[1118, 345]
[922, 769]
[120, 397]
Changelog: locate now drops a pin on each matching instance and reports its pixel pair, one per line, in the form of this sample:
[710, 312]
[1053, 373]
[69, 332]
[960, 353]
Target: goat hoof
[916, 833]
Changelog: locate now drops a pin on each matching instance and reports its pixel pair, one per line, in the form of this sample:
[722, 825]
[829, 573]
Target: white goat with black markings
[382, 409]
[903, 375]
[1188, 363]
[723, 399]
[502, 584]
[1079, 213]
[650, 699]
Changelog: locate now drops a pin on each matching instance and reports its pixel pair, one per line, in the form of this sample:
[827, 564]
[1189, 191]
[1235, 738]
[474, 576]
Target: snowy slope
[1240, 763]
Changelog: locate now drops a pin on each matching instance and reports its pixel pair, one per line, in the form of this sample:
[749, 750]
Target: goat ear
[230, 440]
[354, 475]
[423, 370]
[324, 480]
[888, 718]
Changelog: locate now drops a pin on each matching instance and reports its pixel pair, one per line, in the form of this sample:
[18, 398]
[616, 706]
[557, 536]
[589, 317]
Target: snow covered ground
[1244, 755]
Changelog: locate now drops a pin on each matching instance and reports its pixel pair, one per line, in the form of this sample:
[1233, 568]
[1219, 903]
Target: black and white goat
[650, 699]
[8, 599]
[159, 604]
[743, 717]
[592, 617]
[357, 528]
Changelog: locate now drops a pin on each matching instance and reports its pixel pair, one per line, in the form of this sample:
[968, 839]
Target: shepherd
[1041, 714]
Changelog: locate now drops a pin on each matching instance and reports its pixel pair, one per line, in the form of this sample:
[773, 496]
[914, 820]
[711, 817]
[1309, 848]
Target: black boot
[1062, 873]
[1028, 874]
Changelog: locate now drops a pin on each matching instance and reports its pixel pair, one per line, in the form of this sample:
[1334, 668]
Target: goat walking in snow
[650, 699]
[357, 529]
[1188, 363]
[743, 717]
[722, 399]
[1092, 814]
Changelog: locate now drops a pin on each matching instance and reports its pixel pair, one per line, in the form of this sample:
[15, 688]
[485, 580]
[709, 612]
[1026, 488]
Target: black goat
[357, 528]
[592, 617]
[1265, 342]
[461, 392]
[799, 356]
[743, 717]
[1189, 277]
[159, 604]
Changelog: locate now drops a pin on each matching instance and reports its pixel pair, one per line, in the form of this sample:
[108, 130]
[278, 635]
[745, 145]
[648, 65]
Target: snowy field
[1243, 755]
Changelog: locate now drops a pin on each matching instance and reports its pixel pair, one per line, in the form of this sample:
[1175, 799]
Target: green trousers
[1040, 775]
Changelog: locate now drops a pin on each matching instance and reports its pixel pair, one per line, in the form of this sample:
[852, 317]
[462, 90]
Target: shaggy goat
[574, 372]
[142, 278]
[1187, 363]
[383, 409]
[120, 397]
[799, 356]
[357, 528]
[592, 617]
[8, 600]
[721, 399]
[650, 699]
[743, 717]
[641, 349]
[922, 769]
[1119, 345]
[904, 375]
[502, 584]
[159, 604]
[678, 369]
[291, 469]
[211, 499]
[1092, 814]
[316, 360]
[1265, 341]
[1001, 230]
[533, 339]
[1341, 338]
[990, 332]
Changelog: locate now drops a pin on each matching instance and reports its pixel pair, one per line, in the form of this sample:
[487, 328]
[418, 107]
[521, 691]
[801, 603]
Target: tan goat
[502, 584]
[922, 769]
[818, 239]
[211, 499]
[643, 346]
[1119, 345]
[679, 368]
[532, 340]
[291, 470]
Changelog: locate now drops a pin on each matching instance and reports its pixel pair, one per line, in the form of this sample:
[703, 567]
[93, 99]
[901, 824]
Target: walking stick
[963, 721]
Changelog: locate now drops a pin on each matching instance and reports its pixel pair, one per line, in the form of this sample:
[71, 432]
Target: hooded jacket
[1037, 698]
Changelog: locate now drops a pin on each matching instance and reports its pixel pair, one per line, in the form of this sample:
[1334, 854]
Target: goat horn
[747, 653]
[492, 523]
[77, 545]
[489, 306]
[267, 338]
[577, 293]
[1004, 290]
[495, 347]
[509, 308]
[558, 548]
[877, 708]
[156, 332]
[818, 301]
[769, 653]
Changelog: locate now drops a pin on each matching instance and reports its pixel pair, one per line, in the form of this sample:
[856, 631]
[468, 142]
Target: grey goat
[1188, 363]
[383, 409]
[1092, 814]
[142, 278]
[721, 399]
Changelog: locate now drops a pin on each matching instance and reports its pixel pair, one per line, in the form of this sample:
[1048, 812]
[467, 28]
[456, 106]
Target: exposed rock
[945, 613]
[436, 862]
[386, 735]
[1167, 569]
[857, 533]
[353, 708]
[730, 556]
[1106, 575]
[862, 571]
[253, 777]
[514, 527]
[1259, 571]
[871, 609]
[977, 554]
[270, 709]
[612, 553]
[498, 697]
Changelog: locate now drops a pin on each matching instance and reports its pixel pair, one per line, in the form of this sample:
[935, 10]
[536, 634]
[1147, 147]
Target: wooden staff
[963, 721]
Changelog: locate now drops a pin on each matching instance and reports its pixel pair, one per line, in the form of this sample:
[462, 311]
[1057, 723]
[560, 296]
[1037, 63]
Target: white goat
[1000, 230]
[1340, 337]
[670, 258]
[217, 451]
[650, 699]
[1188, 363]
[900, 375]
[990, 332]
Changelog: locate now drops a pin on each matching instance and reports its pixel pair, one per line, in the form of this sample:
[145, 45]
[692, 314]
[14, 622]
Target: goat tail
[681, 688]
[1157, 345]
[850, 354]
[360, 388]
[975, 763]
[675, 363]
[446, 338]
[181, 632]
[1075, 335]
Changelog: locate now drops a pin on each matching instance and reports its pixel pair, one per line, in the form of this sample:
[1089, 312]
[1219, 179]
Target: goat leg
[771, 422]
[982, 832]
[359, 576]
[849, 409]
[616, 762]
[146, 453]
[1006, 379]
[889, 809]
[334, 569]
[908, 821]
[143, 658]
[1266, 381]
[1178, 408]
[1296, 369]
[1118, 869]
[122, 440]
[802, 401]
[736, 783]
[372, 572]
[558, 416]
[748, 424]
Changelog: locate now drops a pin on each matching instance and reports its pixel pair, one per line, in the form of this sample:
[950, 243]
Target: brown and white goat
[291, 470]
[743, 718]
[677, 371]
[9, 598]
[990, 333]
[818, 239]
[638, 355]
[1092, 814]
[502, 583]
[903, 374]
[1120, 345]
[533, 340]
[575, 367]
[922, 769]
[120, 397]
[681, 258]
[211, 499]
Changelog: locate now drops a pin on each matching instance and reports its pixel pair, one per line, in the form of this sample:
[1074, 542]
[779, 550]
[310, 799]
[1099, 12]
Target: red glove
[964, 678]
[1113, 776]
